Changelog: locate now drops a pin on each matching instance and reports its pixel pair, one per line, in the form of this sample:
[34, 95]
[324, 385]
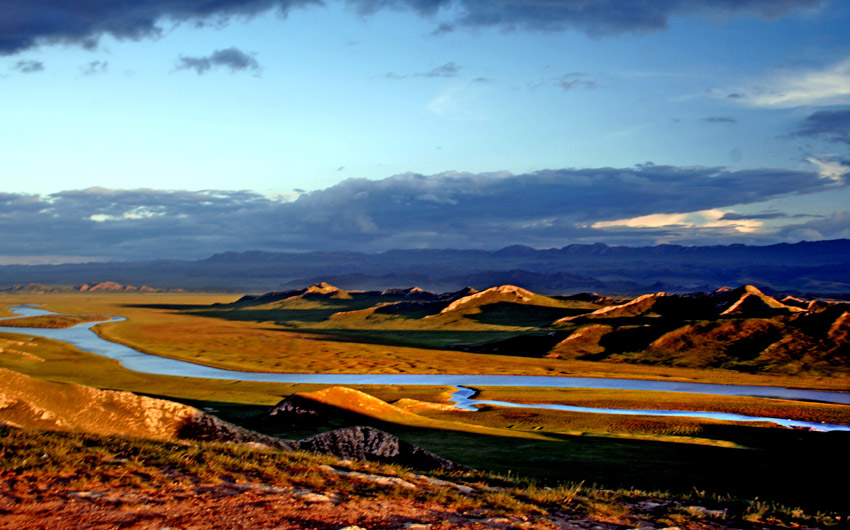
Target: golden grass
[66, 364]
[252, 346]
[563, 424]
[56, 361]
[361, 403]
[639, 399]
[51, 321]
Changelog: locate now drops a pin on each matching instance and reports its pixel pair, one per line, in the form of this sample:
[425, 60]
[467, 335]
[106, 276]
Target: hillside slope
[36, 404]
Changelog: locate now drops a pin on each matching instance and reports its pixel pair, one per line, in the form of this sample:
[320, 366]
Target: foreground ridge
[55, 480]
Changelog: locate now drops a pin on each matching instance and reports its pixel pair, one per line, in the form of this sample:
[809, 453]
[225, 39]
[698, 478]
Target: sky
[178, 129]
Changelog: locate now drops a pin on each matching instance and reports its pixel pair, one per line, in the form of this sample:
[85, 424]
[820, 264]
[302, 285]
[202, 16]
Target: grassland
[56, 361]
[190, 327]
[617, 452]
[649, 400]
[51, 321]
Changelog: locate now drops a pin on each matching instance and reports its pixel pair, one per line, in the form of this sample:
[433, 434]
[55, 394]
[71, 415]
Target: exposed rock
[311, 496]
[325, 290]
[366, 443]
[292, 410]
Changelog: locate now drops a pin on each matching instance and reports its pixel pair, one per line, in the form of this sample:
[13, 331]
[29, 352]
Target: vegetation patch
[51, 321]
[63, 479]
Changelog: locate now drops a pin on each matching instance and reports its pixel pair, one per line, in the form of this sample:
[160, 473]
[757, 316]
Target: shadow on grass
[788, 466]
[523, 315]
[413, 338]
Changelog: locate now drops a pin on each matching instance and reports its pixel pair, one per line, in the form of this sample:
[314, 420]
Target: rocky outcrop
[366, 443]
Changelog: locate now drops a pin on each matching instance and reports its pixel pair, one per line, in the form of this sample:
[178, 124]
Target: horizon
[446, 249]
[146, 131]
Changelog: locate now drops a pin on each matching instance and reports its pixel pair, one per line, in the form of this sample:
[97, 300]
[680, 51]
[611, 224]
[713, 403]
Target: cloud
[831, 168]
[28, 67]
[719, 119]
[835, 226]
[703, 219]
[595, 17]
[731, 216]
[575, 80]
[232, 58]
[550, 208]
[450, 69]
[829, 125]
[793, 88]
[95, 67]
[27, 24]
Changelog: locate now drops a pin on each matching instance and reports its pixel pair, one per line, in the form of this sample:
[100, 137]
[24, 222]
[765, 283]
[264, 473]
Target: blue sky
[164, 129]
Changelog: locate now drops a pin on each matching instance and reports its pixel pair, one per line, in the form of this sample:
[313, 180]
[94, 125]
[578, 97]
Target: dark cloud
[754, 216]
[596, 17]
[720, 119]
[542, 209]
[443, 28]
[95, 67]
[26, 24]
[28, 67]
[232, 58]
[829, 125]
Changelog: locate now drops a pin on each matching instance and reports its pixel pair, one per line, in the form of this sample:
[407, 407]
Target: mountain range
[816, 267]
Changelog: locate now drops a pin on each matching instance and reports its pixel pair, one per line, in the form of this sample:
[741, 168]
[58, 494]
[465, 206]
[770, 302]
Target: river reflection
[82, 337]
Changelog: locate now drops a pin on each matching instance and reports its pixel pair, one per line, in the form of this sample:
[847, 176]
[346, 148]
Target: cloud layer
[797, 88]
[552, 208]
[829, 125]
[26, 24]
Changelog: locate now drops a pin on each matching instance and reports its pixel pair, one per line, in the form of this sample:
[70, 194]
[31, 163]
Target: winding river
[84, 338]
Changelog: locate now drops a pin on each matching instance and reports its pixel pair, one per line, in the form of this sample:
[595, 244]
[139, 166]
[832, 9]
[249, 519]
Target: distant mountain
[106, 286]
[816, 267]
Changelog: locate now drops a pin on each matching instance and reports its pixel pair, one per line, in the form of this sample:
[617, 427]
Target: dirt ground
[30, 501]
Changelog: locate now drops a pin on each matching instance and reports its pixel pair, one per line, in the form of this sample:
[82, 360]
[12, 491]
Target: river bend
[84, 338]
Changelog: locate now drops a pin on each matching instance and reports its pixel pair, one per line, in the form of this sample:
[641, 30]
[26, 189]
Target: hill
[36, 404]
[738, 329]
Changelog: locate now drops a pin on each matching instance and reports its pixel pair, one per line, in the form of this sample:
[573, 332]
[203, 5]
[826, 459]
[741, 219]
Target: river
[84, 338]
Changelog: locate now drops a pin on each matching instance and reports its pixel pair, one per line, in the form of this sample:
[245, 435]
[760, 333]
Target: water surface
[84, 338]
